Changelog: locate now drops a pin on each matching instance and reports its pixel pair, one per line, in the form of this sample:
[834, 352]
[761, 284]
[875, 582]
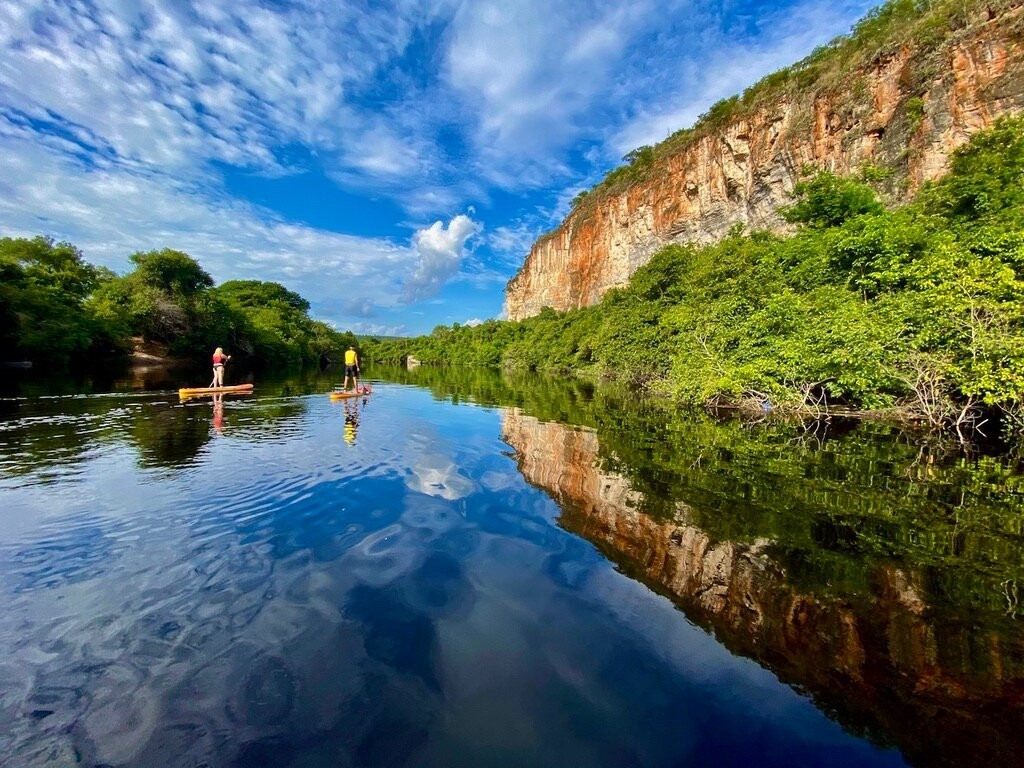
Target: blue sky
[390, 161]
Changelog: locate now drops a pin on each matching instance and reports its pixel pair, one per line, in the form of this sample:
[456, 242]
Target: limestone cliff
[905, 109]
[888, 663]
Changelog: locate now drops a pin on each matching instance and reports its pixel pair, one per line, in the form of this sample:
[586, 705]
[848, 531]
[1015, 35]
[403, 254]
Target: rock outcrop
[886, 664]
[906, 110]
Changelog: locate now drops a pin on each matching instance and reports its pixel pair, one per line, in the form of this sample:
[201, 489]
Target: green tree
[828, 200]
[172, 272]
[42, 302]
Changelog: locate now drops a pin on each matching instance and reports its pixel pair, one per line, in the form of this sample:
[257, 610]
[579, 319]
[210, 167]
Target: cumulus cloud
[474, 322]
[440, 251]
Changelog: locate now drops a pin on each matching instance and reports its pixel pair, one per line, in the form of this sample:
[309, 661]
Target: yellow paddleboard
[200, 391]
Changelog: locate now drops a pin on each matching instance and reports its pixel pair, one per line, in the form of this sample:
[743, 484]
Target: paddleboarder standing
[219, 358]
[351, 368]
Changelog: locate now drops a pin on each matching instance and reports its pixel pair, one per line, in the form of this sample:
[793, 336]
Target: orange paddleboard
[344, 395]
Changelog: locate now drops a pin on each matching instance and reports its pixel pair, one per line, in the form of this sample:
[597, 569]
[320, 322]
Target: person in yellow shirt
[351, 368]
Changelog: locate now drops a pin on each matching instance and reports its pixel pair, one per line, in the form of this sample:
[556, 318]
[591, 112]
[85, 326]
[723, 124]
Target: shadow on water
[52, 426]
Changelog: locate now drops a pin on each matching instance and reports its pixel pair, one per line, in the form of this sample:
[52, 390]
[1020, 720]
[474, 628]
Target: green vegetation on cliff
[57, 309]
[923, 26]
[920, 307]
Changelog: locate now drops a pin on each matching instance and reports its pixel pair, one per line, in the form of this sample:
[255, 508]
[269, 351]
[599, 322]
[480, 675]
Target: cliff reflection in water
[836, 567]
[237, 585]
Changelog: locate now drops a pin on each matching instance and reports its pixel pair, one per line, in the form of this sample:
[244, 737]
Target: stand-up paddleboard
[200, 391]
[343, 395]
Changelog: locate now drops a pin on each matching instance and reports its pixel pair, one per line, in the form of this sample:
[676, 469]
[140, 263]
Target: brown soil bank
[154, 354]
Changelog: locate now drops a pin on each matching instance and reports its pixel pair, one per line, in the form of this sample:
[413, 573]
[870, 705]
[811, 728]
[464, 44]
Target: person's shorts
[351, 370]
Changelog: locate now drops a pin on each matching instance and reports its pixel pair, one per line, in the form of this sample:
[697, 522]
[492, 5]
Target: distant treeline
[57, 309]
[920, 307]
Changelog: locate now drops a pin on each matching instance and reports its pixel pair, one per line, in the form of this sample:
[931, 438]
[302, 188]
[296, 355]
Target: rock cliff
[886, 664]
[905, 109]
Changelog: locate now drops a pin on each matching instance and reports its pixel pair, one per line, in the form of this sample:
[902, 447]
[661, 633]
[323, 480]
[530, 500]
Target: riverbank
[913, 312]
[754, 407]
[154, 354]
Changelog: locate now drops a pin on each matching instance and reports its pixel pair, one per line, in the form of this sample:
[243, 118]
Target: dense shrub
[921, 306]
[55, 308]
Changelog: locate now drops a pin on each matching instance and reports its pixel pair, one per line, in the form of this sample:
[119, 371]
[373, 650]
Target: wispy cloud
[531, 77]
[511, 242]
[122, 124]
[726, 64]
[175, 86]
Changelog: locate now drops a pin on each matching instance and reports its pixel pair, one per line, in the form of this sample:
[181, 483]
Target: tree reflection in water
[913, 649]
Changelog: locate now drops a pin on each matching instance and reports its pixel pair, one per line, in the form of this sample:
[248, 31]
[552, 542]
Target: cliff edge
[901, 100]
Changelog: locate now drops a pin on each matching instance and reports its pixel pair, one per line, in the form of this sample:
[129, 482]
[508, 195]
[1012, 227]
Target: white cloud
[474, 322]
[177, 86]
[111, 213]
[532, 75]
[118, 118]
[440, 251]
[504, 94]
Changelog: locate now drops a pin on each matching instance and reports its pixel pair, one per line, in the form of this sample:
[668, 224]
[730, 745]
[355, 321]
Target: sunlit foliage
[920, 307]
[55, 308]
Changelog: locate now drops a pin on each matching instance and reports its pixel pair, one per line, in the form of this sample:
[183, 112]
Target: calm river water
[476, 569]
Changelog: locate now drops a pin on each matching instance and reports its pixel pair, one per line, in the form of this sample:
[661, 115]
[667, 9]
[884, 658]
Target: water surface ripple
[429, 578]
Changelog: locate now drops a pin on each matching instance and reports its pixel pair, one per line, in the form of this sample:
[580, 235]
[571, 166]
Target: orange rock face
[885, 663]
[744, 172]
